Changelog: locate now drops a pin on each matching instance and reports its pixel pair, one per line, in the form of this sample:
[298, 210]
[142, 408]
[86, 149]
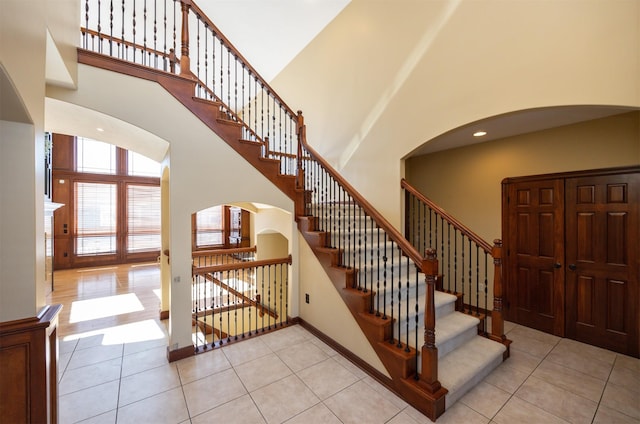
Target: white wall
[22, 258]
[201, 168]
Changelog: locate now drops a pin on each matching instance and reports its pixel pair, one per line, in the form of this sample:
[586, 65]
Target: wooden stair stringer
[399, 362]
[182, 88]
[231, 132]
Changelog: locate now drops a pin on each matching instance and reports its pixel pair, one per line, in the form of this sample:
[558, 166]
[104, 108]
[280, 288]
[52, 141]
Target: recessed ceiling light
[479, 133]
[100, 129]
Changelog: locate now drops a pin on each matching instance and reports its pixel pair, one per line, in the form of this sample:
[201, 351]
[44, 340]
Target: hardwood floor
[96, 299]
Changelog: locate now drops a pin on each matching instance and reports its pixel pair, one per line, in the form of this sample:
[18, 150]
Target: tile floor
[120, 374]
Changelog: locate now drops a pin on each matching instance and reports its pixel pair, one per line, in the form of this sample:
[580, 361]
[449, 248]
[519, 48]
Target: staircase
[433, 343]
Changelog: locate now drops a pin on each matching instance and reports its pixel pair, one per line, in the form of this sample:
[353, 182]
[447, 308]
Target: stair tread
[453, 324]
[469, 363]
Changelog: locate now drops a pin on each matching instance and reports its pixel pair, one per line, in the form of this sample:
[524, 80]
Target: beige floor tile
[523, 341]
[63, 362]
[520, 411]
[327, 378]
[580, 362]
[420, 418]
[606, 415]
[388, 394]
[284, 399]
[301, 356]
[353, 369]
[486, 399]
[622, 400]
[557, 401]
[628, 362]
[148, 383]
[88, 403]
[106, 418]
[245, 351]
[402, 418]
[262, 371]
[360, 403]
[523, 361]
[460, 413]
[238, 411]
[318, 414]
[89, 376]
[66, 345]
[520, 332]
[202, 365]
[166, 407]
[572, 380]
[135, 347]
[213, 391]
[508, 326]
[586, 351]
[145, 360]
[625, 377]
[94, 355]
[284, 338]
[507, 378]
[324, 347]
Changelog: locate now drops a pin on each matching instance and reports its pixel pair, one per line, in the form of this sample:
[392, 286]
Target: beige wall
[467, 181]
[371, 98]
[326, 310]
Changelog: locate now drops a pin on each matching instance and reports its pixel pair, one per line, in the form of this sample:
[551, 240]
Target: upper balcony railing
[176, 36]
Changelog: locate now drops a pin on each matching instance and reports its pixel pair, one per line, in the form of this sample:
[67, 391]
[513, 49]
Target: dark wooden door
[534, 241]
[602, 255]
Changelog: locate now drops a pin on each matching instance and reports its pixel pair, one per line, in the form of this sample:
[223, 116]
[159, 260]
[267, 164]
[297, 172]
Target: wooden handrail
[449, 218]
[380, 220]
[230, 251]
[240, 265]
[201, 15]
[104, 36]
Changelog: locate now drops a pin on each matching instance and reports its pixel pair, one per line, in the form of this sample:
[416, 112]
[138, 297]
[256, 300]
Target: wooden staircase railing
[224, 296]
[427, 224]
[378, 273]
[387, 283]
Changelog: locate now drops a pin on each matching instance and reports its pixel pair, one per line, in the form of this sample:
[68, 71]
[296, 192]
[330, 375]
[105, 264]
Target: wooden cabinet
[28, 369]
[572, 266]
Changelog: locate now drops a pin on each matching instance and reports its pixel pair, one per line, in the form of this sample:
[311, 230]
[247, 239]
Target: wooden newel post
[429, 375]
[185, 65]
[497, 320]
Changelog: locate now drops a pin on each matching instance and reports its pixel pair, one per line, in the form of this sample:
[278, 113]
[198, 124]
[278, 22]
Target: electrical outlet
[306, 297]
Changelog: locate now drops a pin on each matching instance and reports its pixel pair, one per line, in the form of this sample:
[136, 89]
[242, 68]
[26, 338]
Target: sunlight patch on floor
[102, 307]
[141, 331]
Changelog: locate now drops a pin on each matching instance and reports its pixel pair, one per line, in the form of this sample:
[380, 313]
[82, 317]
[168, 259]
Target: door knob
[572, 267]
[557, 265]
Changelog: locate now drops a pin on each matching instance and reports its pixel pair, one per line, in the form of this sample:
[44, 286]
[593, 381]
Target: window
[209, 227]
[95, 157]
[220, 227]
[143, 218]
[95, 218]
[113, 204]
[142, 166]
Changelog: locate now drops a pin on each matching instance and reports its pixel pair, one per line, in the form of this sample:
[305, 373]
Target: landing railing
[467, 263]
[210, 257]
[234, 301]
[176, 36]
[380, 258]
